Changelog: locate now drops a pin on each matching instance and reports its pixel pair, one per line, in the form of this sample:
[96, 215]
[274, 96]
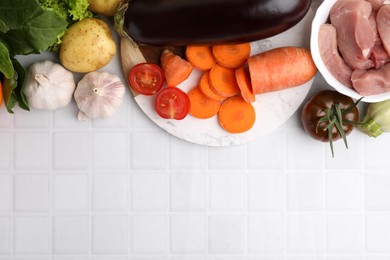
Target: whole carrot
[280, 68]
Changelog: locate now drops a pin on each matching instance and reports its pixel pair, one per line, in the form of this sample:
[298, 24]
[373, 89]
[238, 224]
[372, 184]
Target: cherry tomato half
[172, 103]
[146, 78]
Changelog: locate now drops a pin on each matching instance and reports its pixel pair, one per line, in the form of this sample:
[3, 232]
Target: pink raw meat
[355, 35]
[373, 81]
[383, 24]
[327, 44]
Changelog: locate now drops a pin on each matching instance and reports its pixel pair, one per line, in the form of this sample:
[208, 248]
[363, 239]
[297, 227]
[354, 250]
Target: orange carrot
[202, 106]
[280, 68]
[205, 87]
[223, 81]
[236, 115]
[200, 56]
[176, 69]
[231, 55]
[244, 83]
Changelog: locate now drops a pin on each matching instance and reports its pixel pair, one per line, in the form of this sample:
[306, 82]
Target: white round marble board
[272, 109]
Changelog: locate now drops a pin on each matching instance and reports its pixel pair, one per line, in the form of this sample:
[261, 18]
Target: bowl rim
[321, 17]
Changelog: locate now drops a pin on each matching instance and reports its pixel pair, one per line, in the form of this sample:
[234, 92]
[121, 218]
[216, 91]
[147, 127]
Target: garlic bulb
[98, 95]
[48, 85]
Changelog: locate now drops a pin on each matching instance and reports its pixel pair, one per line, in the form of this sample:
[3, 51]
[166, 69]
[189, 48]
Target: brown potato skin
[104, 7]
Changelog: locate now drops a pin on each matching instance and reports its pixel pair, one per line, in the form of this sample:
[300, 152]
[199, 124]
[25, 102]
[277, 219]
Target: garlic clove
[48, 85]
[98, 95]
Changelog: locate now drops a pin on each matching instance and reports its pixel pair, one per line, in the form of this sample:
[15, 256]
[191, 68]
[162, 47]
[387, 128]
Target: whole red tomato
[329, 116]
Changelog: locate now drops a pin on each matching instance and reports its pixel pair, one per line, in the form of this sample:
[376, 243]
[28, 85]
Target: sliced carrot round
[205, 87]
[200, 56]
[231, 55]
[223, 81]
[202, 106]
[244, 83]
[236, 115]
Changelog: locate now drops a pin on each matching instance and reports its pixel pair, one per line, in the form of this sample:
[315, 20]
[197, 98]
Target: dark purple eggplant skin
[184, 22]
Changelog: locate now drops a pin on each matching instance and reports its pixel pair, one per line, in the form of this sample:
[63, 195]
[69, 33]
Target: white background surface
[125, 189]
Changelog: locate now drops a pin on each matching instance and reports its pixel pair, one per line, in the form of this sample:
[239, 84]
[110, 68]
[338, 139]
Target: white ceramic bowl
[321, 17]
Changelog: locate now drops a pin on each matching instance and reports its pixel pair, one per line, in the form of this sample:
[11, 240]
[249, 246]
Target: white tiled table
[125, 189]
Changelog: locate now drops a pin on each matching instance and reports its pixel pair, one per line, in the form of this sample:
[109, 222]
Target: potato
[104, 7]
[88, 45]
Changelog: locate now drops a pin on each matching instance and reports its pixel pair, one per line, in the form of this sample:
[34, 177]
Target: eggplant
[184, 22]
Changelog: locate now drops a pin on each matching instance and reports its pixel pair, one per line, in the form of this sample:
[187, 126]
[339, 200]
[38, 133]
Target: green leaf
[36, 34]
[15, 13]
[6, 66]
[21, 98]
[9, 96]
[3, 27]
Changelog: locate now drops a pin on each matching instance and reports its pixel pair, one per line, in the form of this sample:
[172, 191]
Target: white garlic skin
[48, 85]
[98, 95]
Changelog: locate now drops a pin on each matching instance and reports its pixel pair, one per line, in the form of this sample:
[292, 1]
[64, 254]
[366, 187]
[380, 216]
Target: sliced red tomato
[172, 103]
[146, 78]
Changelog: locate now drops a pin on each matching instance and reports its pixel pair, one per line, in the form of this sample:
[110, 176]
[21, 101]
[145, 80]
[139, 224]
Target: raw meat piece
[373, 81]
[327, 44]
[383, 24]
[355, 36]
[376, 4]
[379, 56]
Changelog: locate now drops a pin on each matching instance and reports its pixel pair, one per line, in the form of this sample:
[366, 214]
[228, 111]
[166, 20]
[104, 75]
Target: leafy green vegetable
[13, 89]
[6, 66]
[25, 27]
[70, 10]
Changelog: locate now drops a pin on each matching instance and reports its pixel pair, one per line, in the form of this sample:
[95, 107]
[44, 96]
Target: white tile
[227, 257]
[310, 151]
[266, 233]
[227, 192]
[188, 234]
[377, 192]
[346, 257]
[305, 233]
[110, 151]
[70, 192]
[138, 119]
[345, 233]
[32, 119]
[26, 146]
[304, 191]
[5, 235]
[70, 235]
[149, 192]
[226, 234]
[260, 157]
[375, 160]
[194, 159]
[344, 191]
[149, 150]
[230, 158]
[31, 193]
[109, 192]
[188, 192]
[378, 233]
[6, 119]
[266, 191]
[149, 234]
[71, 151]
[149, 258]
[31, 235]
[70, 258]
[376, 257]
[5, 193]
[6, 150]
[110, 235]
[270, 257]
